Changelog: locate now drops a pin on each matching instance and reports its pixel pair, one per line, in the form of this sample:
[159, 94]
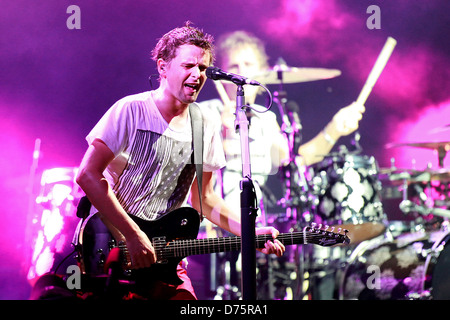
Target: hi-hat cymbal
[285, 74]
[440, 174]
[426, 145]
[412, 175]
[441, 147]
[440, 129]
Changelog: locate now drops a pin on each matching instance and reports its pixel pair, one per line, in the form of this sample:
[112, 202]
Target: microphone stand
[248, 203]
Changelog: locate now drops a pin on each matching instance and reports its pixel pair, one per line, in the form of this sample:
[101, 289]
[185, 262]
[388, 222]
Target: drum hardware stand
[221, 281]
[442, 153]
[423, 208]
[297, 195]
[226, 290]
[408, 206]
[291, 128]
[355, 142]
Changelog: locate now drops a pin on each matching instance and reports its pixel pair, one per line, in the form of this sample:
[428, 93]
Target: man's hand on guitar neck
[271, 247]
[142, 254]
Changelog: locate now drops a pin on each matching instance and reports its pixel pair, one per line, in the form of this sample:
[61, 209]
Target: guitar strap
[197, 147]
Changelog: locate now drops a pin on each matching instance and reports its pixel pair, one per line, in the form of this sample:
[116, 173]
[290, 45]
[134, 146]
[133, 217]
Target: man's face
[185, 74]
[245, 61]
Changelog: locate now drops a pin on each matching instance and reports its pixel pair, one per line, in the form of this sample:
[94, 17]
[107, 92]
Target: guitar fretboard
[183, 248]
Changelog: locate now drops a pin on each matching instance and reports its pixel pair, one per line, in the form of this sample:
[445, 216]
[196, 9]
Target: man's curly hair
[168, 44]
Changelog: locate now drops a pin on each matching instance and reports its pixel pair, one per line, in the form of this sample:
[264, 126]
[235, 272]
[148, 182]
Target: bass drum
[347, 195]
[413, 266]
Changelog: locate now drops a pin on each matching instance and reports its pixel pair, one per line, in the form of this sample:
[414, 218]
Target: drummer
[242, 53]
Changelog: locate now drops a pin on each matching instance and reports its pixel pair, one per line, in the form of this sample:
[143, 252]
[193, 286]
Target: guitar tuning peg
[332, 229]
[313, 224]
[345, 231]
[339, 230]
[320, 226]
[326, 227]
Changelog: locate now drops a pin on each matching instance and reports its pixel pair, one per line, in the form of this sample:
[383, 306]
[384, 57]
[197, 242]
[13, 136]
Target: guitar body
[97, 242]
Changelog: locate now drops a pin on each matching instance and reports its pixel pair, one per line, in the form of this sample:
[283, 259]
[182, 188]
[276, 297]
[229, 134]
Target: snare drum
[413, 266]
[347, 195]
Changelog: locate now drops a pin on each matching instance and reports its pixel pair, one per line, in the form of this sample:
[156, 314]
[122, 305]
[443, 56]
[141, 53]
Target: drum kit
[389, 258]
[410, 259]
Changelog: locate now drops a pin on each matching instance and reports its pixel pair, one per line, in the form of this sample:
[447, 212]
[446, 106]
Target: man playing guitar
[138, 162]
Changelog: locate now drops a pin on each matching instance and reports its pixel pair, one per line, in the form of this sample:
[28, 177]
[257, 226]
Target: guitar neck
[181, 228]
[183, 248]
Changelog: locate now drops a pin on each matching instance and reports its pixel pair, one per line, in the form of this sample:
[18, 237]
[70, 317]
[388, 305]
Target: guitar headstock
[325, 236]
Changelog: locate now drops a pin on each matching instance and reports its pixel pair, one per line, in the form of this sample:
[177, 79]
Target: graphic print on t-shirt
[157, 177]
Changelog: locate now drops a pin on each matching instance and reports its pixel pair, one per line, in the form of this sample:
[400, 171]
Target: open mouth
[192, 86]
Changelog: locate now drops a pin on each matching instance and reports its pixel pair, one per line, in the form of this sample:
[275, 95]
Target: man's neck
[172, 110]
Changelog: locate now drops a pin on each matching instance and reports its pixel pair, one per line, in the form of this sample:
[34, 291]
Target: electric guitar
[173, 237]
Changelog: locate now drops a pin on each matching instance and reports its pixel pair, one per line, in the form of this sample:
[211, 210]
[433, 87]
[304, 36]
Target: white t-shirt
[263, 131]
[152, 171]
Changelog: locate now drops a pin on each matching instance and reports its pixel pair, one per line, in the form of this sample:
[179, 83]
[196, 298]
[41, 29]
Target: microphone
[215, 73]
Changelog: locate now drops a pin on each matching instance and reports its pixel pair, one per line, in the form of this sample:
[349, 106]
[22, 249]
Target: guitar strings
[186, 247]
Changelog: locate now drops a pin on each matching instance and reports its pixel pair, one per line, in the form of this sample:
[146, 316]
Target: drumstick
[222, 93]
[377, 69]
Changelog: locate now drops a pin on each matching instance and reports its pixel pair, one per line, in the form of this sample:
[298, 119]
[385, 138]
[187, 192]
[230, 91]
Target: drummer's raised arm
[344, 122]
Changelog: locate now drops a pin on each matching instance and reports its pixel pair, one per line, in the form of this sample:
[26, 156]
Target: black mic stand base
[248, 244]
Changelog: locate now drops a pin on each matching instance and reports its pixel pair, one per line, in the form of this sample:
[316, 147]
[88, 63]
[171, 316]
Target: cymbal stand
[442, 153]
[296, 188]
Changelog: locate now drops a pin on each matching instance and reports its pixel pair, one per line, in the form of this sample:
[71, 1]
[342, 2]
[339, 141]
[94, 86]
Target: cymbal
[398, 176]
[440, 129]
[440, 174]
[391, 170]
[441, 147]
[294, 75]
[426, 145]
[411, 175]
